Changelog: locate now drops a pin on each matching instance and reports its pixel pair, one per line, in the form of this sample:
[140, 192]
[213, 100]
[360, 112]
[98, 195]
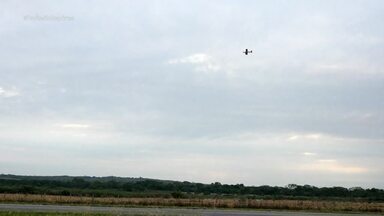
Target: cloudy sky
[161, 89]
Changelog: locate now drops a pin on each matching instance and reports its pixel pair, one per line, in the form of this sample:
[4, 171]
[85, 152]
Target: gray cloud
[153, 82]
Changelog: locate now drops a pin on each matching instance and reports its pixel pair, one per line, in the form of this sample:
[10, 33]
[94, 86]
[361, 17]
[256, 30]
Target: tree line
[100, 187]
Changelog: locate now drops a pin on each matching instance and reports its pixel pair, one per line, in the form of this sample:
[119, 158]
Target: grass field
[311, 205]
[11, 213]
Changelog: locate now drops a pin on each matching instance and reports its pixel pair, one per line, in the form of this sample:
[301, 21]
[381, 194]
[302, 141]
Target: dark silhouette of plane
[247, 51]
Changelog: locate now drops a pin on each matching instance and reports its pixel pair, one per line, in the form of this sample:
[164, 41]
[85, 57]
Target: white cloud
[333, 166]
[208, 67]
[8, 93]
[309, 136]
[203, 62]
[353, 66]
[309, 154]
[197, 58]
[74, 126]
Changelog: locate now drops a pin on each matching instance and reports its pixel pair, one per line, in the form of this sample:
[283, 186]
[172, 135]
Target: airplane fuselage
[247, 51]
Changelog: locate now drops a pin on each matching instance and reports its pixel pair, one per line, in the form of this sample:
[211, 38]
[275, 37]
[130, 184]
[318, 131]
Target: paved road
[153, 211]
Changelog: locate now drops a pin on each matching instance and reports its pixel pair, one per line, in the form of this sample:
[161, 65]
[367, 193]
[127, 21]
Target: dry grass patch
[209, 203]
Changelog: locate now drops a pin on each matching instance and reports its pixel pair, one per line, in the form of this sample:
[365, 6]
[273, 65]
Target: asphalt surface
[155, 211]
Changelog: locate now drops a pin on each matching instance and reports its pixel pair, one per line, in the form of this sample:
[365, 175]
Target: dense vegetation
[141, 187]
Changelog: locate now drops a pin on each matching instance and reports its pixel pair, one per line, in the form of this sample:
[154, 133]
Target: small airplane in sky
[247, 51]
